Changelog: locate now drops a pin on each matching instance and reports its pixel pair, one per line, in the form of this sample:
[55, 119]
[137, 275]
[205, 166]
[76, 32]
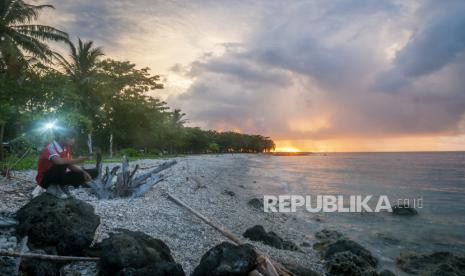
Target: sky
[313, 75]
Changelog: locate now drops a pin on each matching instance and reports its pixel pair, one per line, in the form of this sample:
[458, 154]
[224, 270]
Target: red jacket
[45, 162]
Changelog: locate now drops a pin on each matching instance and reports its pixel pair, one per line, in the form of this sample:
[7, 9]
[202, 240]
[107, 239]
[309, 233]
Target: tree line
[105, 100]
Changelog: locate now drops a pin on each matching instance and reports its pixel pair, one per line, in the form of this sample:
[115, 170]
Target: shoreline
[221, 188]
[202, 181]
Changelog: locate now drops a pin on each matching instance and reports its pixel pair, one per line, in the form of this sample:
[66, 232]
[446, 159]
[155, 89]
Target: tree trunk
[89, 142]
[111, 145]
[2, 131]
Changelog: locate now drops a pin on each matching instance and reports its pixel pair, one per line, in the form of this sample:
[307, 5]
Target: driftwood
[127, 184]
[7, 222]
[22, 248]
[47, 257]
[265, 266]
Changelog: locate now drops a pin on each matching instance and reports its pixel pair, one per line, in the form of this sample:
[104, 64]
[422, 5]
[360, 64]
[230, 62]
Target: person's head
[66, 138]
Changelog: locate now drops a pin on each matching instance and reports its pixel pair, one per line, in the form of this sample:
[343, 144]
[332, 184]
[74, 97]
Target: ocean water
[437, 178]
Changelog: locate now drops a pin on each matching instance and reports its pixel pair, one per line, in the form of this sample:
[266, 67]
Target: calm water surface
[437, 178]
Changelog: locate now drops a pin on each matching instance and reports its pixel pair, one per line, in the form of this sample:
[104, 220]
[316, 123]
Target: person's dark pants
[58, 175]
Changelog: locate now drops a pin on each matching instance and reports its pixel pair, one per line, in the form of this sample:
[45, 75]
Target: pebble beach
[214, 185]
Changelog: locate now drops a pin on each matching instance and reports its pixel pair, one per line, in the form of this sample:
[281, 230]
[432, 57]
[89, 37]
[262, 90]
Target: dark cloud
[102, 21]
[435, 43]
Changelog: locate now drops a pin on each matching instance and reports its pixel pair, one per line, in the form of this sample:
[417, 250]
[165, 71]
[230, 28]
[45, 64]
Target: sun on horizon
[286, 149]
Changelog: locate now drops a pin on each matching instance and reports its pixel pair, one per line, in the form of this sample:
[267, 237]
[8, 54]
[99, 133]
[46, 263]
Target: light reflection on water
[438, 178]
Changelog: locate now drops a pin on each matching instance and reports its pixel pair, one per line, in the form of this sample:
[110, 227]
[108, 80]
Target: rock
[353, 247]
[258, 233]
[36, 267]
[7, 266]
[347, 263]
[63, 227]
[135, 253]
[327, 234]
[326, 237]
[305, 244]
[159, 269]
[299, 270]
[344, 256]
[438, 263]
[229, 193]
[227, 259]
[403, 210]
[256, 203]
[387, 273]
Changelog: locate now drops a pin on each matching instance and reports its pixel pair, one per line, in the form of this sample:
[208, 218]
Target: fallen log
[47, 257]
[265, 265]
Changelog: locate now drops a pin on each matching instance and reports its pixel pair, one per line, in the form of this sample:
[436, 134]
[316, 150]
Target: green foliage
[15, 163]
[213, 147]
[92, 94]
[23, 43]
[130, 152]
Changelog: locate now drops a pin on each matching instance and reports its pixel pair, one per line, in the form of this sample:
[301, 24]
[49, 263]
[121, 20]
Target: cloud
[329, 56]
[308, 69]
[438, 40]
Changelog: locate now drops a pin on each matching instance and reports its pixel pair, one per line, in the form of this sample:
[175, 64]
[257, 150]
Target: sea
[437, 178]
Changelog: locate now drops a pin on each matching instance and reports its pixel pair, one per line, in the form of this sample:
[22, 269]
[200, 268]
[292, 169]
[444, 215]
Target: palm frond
[15, 16]
[68, 67]
[32, 45]
[42, 32]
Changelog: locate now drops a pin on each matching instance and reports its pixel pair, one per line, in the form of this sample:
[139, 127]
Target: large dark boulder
[57, 226]
[352, 247]
[35, 267]
[258, 233]
[344, 256]
[438, 263]
[325, 238]
[159, 269]
[136, 253]
[347, 263]
[227, 259]
[386, 273]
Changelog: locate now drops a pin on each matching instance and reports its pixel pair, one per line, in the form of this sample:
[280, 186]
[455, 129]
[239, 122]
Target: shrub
[130, 152]
[213, 147]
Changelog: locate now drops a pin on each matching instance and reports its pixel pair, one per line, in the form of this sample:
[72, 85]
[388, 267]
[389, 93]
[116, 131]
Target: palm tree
[81, 68]
[20, 41]
[83, 62]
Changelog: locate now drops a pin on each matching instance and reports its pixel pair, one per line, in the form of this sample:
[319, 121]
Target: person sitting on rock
[56, 167]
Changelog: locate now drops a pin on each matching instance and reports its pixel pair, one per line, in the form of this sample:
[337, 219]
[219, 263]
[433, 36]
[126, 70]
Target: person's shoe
[56, 191]
[37, 191]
